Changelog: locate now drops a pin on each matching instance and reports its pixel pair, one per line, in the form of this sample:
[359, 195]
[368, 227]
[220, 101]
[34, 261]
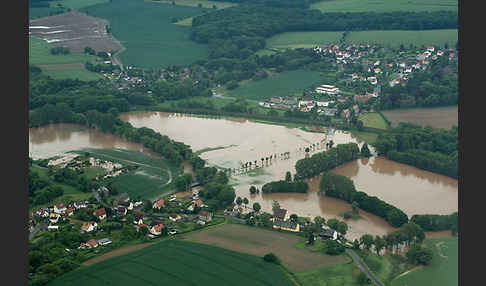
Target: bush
[333, 247]
[270, 257]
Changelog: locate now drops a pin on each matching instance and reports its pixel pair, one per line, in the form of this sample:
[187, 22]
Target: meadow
[195, 3]
[337, 275]
[443, 269]
[385, 5]
[290, 83]
[392, 38]
[174, 262]
[149, 180]
[146, 31]
[60, 66]
[373, 120]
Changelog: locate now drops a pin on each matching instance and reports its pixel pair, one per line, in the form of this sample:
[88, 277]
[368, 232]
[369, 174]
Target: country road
[363, 267]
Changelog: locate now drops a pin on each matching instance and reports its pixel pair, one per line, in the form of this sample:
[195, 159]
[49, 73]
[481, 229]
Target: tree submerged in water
[365, 151]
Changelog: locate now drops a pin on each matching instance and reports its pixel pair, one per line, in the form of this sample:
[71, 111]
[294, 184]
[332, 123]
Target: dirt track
[115, 253]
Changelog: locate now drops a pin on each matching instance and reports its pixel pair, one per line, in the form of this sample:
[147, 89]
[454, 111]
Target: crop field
[337, 275]
[396, 38]
[146, 30]
[259, 241]
[284, 84]
[438, 117]
[174, 262]
[385, 5]
[443, 269]
[148, 181]
[373, 120]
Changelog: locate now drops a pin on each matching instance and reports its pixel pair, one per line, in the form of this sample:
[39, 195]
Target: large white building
[328, 89]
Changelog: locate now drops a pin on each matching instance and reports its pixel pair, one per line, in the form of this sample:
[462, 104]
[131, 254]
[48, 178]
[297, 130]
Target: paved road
[363, 267]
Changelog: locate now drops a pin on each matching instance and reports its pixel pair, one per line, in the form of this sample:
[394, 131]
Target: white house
[53, 227]
[156, 229]
[322, 103]
[305, 103]
[372, 80]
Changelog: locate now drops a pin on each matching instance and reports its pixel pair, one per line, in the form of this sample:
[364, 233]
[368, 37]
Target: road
[363, 267]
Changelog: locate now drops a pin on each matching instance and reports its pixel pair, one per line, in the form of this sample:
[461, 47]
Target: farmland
[443, 269]
[195, 3]
[373, 120]
[174, 262]
[337, 275]
[146, 31]
[438, 117]
[284, 84]
[259, 241]
[385, 5]
[147, 181]
[392, 38]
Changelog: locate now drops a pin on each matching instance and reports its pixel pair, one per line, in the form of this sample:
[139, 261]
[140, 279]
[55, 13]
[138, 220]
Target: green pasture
[336, 275]
[385, 5]
[175, 262]
[77, 4]
[147, 32]
[443, 269]
[79, 73]
[195, 3]
[302, 39]
[290, 83]
[373, 120]
[39, 12]
[148, 181]
[39, 54]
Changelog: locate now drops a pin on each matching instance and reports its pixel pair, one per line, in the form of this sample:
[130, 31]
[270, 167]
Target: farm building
[286, 225]
[327, 89]
[326, 234]
[205, 216]
[100, 213]
[281, 214]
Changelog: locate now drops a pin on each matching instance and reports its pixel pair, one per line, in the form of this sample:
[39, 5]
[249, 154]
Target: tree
[342, 228]
[288, 177]
[333, 223]
[245, 201]
[379, 244]
[419, 255]
[270, 257]
[363, 279]
[275, 206]
[310, 239]
[355, 207]
[239, 201]
[253, 190]
[256, 207]
[320, 221]
[356, 244]
[333, 247]
[294, 217]
[331, 143]
[367, 241]
[365, 151]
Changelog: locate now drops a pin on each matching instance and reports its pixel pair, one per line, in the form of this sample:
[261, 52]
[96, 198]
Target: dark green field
[146, 31]
[174, 262]
[385, 5]
[290, 83]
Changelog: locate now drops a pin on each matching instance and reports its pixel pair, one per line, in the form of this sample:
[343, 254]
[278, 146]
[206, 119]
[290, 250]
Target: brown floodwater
[240, 140]
[55, 139]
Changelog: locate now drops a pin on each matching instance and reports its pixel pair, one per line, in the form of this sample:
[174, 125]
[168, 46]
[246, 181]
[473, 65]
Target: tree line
[427, 148]
[434, 222]
[341, 187]
[285, 187]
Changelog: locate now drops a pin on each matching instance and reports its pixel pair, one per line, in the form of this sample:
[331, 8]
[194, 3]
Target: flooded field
[51, 140]
[228, 143]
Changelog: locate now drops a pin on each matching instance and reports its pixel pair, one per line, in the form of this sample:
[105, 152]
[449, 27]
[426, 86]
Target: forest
[426, 148]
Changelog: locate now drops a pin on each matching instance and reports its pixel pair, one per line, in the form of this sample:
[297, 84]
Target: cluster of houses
[345, 54]
[93, 243]
[75, 162]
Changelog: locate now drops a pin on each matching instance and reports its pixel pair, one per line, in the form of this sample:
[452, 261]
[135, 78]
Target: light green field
[373, 120]
[175, 262]
[148, 181]
[290, 83]
[77, 4]
[337, 275]
[185, 22]
[385, 5]
[146, 31]
[368, 137]
[443, 269]
[39, 54]
[79, 73]
[392, 38]
[195, 3]
[395, 38]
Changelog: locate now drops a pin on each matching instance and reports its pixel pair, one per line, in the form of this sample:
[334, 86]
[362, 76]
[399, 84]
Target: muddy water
[56, 139]
[412, 190]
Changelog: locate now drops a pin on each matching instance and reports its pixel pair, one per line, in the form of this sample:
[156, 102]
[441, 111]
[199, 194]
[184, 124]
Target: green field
[373, 120]
[284, 84]
[385, 5]
[148, 181]
[77, 4]
[337, 275]
[392, 38]
[385, 267]
[443, 269]
[175, 262]
[146, 31]
[38, 12]
[195, 3]
[39, 54]
[368, 137]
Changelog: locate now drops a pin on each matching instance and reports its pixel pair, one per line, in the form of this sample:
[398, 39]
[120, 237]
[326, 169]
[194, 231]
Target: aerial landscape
[243, 142]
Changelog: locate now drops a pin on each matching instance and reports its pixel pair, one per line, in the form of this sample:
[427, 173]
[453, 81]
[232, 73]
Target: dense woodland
[325, 161]
[341, 187]
[285, 187]
[426, 148]
[432, 222]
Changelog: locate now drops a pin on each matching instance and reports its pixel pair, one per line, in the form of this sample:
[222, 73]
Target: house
[329, 111]
[89, 226]
[83, 245]
[452, 55]
[430, 48]
[121, 211]
[326, 234]
[79, 205]
[323, 103]
[286, 225]
[327, 89]
[158, 204]
[354, 75]
[281, 214]
[69, 212]
[362, 97]
[199, 203]
[345, 113]
[54, 217]
[372, 80]
[53, 227]
[276, 99]
[92, 243]
[100, 213]
[157, 229]
[305, 103]
[440, 53]
[128, 205]
[104, 241]
[174, 217]
[377, 70]
[377, 63]
[205, 216]
[59, 208]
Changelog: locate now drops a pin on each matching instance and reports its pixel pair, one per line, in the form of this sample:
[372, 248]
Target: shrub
[270, 257]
